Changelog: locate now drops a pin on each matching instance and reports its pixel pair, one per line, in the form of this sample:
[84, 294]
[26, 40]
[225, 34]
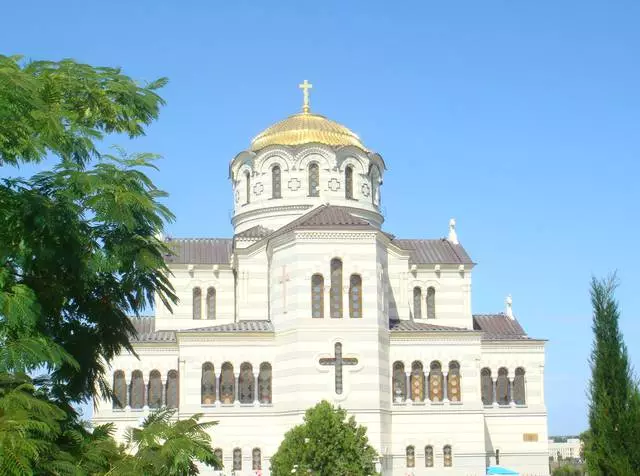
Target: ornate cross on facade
[338, 361]
[305, 86]
[283, 280]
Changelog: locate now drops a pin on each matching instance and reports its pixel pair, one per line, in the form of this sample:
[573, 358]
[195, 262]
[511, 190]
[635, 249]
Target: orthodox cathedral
[310, 300]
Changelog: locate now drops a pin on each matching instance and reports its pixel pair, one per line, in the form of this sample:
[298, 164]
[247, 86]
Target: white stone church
[309, 300]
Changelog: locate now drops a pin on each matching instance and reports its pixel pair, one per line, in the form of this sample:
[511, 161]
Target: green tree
[326, 444]
[613, 445]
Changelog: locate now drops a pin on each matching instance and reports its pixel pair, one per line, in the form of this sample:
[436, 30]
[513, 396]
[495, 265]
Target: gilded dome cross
[305, 86]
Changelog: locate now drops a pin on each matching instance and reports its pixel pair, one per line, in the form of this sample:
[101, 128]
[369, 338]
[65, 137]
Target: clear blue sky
[522, 119]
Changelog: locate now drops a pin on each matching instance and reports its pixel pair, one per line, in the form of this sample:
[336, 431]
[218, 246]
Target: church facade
[310, 300]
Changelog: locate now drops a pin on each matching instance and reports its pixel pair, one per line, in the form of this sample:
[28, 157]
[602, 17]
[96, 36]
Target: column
[510, 390]
[256, 399]
[408, 387]
[445, 386]
[217, 377]
[494, 386]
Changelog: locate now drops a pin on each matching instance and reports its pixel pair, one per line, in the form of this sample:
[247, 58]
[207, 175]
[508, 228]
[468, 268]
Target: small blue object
[501, 470]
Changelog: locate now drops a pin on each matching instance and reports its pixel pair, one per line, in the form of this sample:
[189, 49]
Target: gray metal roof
[240, 326]
[415, 326]
[199, 250]
[440, 251]
[498, 327]
[146, 329]
[257, 231]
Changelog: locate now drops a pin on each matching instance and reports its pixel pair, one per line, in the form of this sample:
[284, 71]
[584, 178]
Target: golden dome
[304, 128]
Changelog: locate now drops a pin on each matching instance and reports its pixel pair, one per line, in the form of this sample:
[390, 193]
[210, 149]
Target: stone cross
[305, 86]
[338, 361]
[283, 281]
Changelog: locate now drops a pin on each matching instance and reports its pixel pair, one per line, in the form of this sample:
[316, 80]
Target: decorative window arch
[197, 303]
[314, 179]
[411, 457]
[256, 459]
[486, 386]
[431, 302]
[208, 387]
[503, 396]
[417, 382]
[317, 296]
[519, 394]
[227, 384]
[136, 391]
[246, 383]
[355, 296]
[428, 456]
[211, 303]
[454, 392]
[119, 389]
[218, 454]
[335, 292]
[348, 182]
[247, 181]
[237, 459]
[399, 382]
[265, 394]
[417, 302]
[436, 382]
[171, 390]
[447, 454]
[154, 392]
[276, 182]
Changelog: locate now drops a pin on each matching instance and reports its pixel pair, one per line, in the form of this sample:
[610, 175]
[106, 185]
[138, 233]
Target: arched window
[119, 389]
[154, 393]
[417, 382]
[428, 456]
[197, 303]
[314, 180]
[208, 384]
[336, 288]
[486, 386]
[502, 387]
[431, 303]
[399, 383]
[276, 182]
[171, 390]
[417, 303]
[411, 457]
[136, 390]
[375, 186]
[246, 383]
[355, 296]
[247, 181]
[218, 454]
[454, 393]
[518, 387]
[237, 459]
[348, 182]
[317, 296]
[211, 303]
[256, 459]
[448, 455]
[435, 382]
[227, 384]
[264, 383]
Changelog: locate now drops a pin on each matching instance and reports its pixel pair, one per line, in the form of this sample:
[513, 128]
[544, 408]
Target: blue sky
[520, 119]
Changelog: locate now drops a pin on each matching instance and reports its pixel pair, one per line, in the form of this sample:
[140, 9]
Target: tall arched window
[502, 387]
[218, 454]
[428, 456]
[448, 455]
[264, 383]
[276, 182]
[431, 303]
[411, 457]
[247, 181]
[119, 389]
[417, 303]
[227, 384]
[417, 382]
[336, 288]
[486, 386]
[136, 390]
[314, 180]
[355, 296]
[317, 296]
[154, 392]
[454, 393]
[197, 303]
[237, 459]
[208, 384]
[348, 182]
[375, 186]
[399, 383]
[435, 382]
[256, 459]
[211, 303]
[246, 383]
[518, 387]
[171, 390]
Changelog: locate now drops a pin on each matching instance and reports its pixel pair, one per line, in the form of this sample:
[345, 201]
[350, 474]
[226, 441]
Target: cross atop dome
[305, 86]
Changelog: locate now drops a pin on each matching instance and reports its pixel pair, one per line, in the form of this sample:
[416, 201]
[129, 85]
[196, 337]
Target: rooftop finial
[305, 86]
[453, 236]
[509, 306]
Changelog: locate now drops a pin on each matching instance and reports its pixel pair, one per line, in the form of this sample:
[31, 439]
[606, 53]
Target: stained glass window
[227, 384]
[314, 180]
[211, 303]
[208, 387]
[348, 182]
[448, 456]
[119, 389]
[431, 303]
[411, 457]
[454, 393]
[218, 453]
[136, 391]
[375, 186]
[417, 382]
[276, 182]
[246, 383]
[256, 459]
[247, 177]
[355, 296]
[486, 385]
[264, 383]
[502, 387]
[336, 288]
[197, 303]
[172, 389]
[428, 456]
[154, 394]
[417, 303]
[399, 383]
[317, 296]
[518, 387]
[436, 382]
[237, 459]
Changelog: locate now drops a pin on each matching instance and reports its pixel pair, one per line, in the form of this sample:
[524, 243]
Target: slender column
[494, 386]
[510, 390]
[217, 377]
[408, 387]
[256, 397]
[445, 386]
